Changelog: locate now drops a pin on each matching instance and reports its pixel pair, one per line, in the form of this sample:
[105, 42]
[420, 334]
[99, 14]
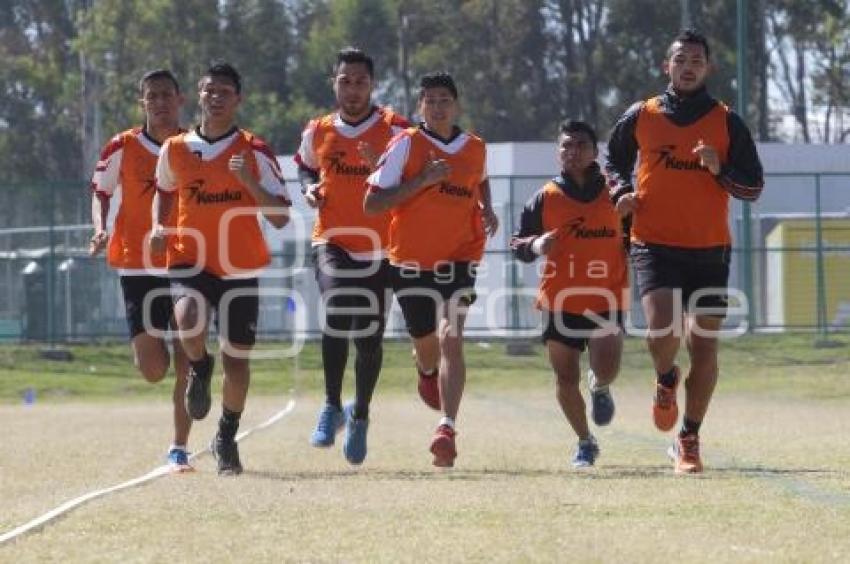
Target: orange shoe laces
[690, 448]
[664, 396]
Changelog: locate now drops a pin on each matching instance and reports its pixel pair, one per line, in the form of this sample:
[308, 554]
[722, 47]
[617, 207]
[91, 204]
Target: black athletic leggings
[344, 287]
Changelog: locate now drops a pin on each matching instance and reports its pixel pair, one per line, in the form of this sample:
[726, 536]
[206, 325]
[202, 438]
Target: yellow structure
[792, 280]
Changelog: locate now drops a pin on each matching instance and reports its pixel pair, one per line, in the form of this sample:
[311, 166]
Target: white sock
[177, 447]
[593, 383]
[448, 422]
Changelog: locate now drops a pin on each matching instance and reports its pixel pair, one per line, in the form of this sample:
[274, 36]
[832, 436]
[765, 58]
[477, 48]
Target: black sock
[228, 424]
[668, 380]
[689, 427]
[367, 367]
[334, 359]
[201, 366]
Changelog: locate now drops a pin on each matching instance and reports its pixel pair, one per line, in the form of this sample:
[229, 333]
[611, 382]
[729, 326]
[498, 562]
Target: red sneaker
[686, 451]
[443, 447]
[665, 411]
[429, 389]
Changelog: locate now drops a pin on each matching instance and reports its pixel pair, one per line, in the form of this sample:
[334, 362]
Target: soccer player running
[572, 223]
[128, 162]
[218, 176]
[694, 153]
[433, 180]
[348, 246]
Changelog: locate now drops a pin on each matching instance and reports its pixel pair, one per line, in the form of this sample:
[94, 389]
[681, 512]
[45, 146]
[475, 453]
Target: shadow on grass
[726, 472]
[759, 471]
[468, 474]
[606, 472]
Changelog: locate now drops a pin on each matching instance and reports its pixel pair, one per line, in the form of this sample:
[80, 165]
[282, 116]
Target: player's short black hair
[440, 79]
[158, 74]
[353, 55]
[575, 126]
[690, 35]
[221, 69]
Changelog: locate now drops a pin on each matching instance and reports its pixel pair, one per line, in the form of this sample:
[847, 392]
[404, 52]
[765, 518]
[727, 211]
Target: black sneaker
[602, 406]
[601, 401]
[198, 398]
[226, 453]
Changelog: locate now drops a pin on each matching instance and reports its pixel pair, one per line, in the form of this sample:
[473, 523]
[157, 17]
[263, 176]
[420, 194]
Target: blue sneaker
[331, 420]
[178, 460]
[586, 453]
[601, 402]
[354, 446]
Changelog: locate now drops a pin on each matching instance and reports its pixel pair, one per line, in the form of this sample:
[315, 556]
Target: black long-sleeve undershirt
[742, 175]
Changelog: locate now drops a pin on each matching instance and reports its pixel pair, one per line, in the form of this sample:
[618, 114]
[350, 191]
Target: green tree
[259, 39]
[39, 81]
[638, 33]
[366, 24]
[810, 59]
[496, 50]
[831, 77]
[576, 54]
[123, 39]
[39, 114]
[70, 67]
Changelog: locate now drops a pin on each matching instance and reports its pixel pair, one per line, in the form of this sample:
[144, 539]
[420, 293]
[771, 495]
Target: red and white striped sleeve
[107, 172]
[271, 177]
[306, 155]
[165, 180]
[390, 167]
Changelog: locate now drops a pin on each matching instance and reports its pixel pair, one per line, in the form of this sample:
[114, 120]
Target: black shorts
[703, 271]
[243, 308]
[574, 330]
[347, 284]
[160, 307]
[419, 292]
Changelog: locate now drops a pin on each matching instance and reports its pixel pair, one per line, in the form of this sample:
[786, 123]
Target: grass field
[775, 445]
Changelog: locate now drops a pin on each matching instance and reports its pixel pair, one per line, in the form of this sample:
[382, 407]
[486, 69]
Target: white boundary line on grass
[158, 472]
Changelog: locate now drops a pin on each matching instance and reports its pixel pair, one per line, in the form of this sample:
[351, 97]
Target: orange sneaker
[665, 411]
[429, 389]
[685, 453]
[443, 447]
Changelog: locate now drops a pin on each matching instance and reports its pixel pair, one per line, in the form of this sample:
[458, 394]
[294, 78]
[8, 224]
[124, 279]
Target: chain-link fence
[791, 264]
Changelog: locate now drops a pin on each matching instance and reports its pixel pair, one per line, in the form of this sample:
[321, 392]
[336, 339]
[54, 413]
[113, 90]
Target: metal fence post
[51, 267]
[742, 93]
[747, 265]
[514, 303]
[820, 273]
